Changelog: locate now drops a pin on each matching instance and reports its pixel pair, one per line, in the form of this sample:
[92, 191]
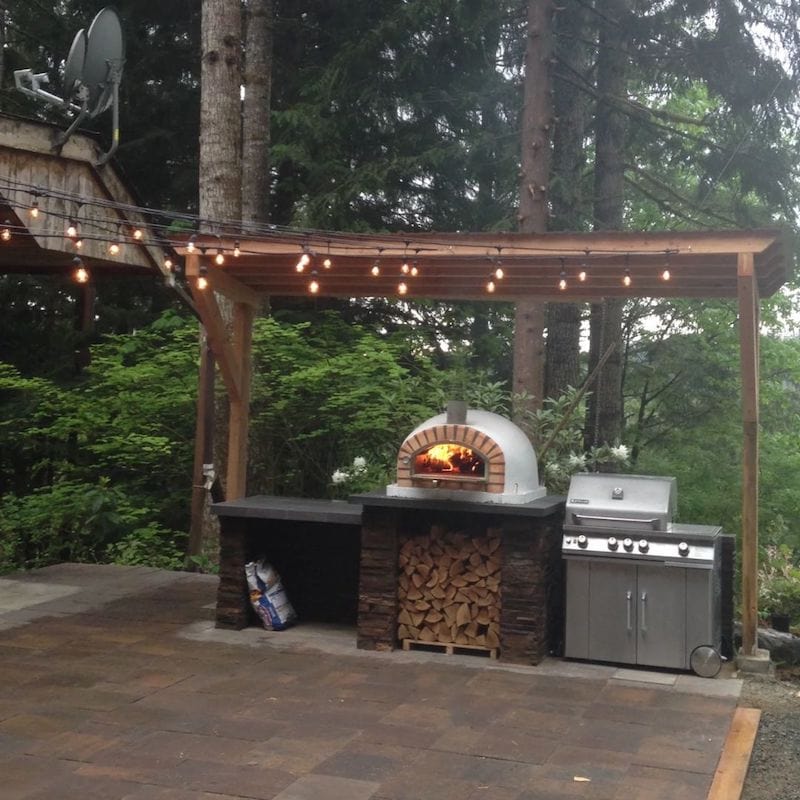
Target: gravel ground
[775, 764]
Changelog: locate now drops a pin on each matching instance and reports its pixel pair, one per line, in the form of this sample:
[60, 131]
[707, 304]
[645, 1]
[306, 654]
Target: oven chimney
[456, 412]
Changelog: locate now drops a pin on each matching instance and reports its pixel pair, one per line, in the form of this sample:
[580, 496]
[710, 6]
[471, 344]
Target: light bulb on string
[33, 211]
[405, 269]
[219, 258]
[490, 287]
[81, 274]
[168, 265]
[376, 269]
[302, 262]
[626, 279]
[665, 273]
[202, 280]
[583, 273]
[562, 280]
[402, 287]
[499, 273]
[190, 247]
[414, 270]
[5, 233]
[327, 263]
[79, 243]
[113, 248]
[237, 250]
[72, 229]
[313, 285]
[138, 234]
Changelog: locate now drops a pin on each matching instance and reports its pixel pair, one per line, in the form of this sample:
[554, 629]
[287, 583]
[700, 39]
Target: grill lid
[603, 500]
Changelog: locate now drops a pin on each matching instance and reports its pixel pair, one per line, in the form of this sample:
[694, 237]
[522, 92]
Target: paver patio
[115, 684]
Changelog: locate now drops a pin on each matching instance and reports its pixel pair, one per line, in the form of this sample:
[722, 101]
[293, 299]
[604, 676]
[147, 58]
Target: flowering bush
[559, 467]
[359, 476]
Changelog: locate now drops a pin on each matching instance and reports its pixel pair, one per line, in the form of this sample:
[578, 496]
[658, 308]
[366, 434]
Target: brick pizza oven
[463, 549]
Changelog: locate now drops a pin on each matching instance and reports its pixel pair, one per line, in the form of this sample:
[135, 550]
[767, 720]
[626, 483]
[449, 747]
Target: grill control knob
[582, 541]
[613, 544]
[643, 545]
[683, 549]
[627, 543]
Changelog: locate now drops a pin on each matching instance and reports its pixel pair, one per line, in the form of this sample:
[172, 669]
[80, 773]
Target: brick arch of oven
[458, 434]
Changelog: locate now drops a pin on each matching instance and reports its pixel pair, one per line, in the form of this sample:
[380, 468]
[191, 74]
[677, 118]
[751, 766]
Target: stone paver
[114, 684]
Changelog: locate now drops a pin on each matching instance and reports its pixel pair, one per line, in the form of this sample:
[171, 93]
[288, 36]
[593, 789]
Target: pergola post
[239, 417]
[748, 343]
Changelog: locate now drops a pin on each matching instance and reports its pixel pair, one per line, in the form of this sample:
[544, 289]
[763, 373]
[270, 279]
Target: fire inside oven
[450, 460]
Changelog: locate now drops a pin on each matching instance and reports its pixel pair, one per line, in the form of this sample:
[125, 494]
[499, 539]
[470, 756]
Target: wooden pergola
[745, 265]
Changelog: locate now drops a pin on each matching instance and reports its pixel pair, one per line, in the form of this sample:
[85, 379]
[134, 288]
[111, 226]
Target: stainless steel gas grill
[640, 588]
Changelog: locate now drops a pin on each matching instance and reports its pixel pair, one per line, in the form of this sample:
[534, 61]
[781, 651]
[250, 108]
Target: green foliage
[86, 464]
[779, 581]
[150, 545]
[324, 395]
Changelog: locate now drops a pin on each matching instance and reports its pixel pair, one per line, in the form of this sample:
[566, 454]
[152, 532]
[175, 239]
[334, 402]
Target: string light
[402, 288]
[72, 229]
[562, 280]
[303, 262]
[666, 274]
[584, 270]
[190, 244]
[405, 269]
[499, 273]
[219, 258]
[113, 248]
[202, 281]
[313, 286]
[137, 234]
[490, 287]
[81, 274]
[376, 268]
[78, 243]
[237, 251]
[414, 270]
[33, 211]
[327, 263]
[5, 234]
[627, 280]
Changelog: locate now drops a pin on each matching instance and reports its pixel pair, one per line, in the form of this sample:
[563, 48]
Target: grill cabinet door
[612, 611]
[661, 616]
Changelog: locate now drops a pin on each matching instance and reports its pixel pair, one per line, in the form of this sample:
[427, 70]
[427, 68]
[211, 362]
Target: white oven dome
[510, 474]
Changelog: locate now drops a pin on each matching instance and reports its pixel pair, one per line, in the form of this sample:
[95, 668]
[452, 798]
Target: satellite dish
[92, 74]
[105, 55]
[73, 69]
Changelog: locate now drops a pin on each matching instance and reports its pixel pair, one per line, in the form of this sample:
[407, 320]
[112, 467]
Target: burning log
[449, 589]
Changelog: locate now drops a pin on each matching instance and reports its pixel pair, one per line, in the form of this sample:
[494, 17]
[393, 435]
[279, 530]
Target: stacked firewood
[449, 589]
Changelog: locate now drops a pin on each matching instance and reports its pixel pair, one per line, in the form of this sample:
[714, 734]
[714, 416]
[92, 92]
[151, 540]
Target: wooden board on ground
[450, 648]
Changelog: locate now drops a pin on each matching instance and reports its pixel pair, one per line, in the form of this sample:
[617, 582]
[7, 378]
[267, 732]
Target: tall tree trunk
[220, 200]
[256, 116]
[537, 125]
[562, 362]
[604, 409]
[220, 111]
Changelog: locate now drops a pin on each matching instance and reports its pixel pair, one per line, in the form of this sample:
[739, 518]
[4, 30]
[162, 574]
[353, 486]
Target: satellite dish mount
[92, 75]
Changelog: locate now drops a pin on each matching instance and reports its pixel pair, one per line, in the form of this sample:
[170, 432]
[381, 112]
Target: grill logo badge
[617, 493]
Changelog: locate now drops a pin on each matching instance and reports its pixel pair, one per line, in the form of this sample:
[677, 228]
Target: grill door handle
[644, 611]
[629, 520]
[629, 599]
